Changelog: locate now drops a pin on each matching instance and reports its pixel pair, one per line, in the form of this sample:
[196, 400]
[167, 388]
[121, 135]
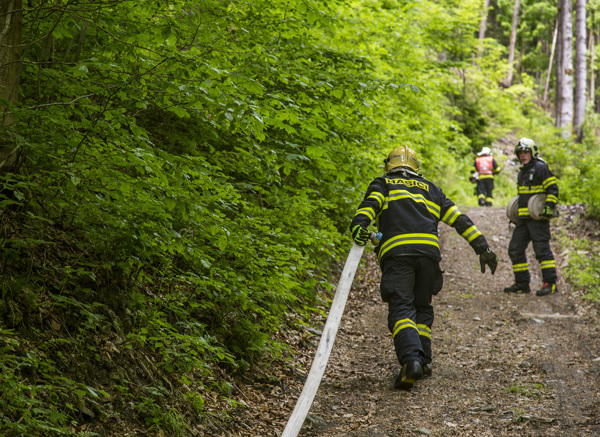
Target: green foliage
[582, 267]
[585, 169]
[36, 399]
[191, 171]
[533, 391]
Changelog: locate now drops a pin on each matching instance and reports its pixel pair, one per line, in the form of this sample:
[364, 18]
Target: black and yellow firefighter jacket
[536, 178]
[407, 209]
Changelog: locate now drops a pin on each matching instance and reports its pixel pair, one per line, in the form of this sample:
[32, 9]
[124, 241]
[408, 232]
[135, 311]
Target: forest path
[503, 365]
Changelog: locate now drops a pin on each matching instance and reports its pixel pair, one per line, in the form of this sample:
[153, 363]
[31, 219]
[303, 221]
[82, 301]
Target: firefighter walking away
[406, 209]
[482, 174]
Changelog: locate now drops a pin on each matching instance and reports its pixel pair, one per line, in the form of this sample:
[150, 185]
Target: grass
[533, 391]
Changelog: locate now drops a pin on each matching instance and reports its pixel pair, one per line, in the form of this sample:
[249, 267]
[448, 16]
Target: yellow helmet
[402, 157]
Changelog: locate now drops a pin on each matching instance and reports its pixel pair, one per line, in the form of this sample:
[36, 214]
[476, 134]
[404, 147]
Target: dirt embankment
[503, 365]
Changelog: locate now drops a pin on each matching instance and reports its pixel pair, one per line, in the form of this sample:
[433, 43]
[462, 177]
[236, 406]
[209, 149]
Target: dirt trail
[503, 365]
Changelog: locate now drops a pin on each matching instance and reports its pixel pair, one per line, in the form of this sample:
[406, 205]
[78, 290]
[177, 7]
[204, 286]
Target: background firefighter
[407, 208]
[534, 178]
[484, 169]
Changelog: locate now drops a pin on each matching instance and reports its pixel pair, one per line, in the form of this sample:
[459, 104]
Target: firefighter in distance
[406, 209]
[534, 178]
[484, 169]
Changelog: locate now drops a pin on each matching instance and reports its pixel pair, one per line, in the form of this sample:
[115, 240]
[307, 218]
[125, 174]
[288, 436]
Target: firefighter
[534, 178]
[484, 169]
[407, 208]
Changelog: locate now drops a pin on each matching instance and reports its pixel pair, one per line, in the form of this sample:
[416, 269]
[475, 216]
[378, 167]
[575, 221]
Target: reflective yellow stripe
[523, 267]
[424, 330]
[471, 233]
[551, 198]
[403, 194]
[550, 181]
[521, 189]
[403, 324]
[377, 196]
[523, 212]
[485, 176]
[369, 212]
[398, 240]
[549, 264]
[451, 215]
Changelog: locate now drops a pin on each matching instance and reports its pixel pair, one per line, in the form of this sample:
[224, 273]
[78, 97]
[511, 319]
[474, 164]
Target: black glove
[548, 212]
[489, 258]
[360, 235]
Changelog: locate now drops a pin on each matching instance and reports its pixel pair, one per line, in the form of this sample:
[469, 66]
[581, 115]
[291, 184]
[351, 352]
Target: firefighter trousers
[407, 286]
[538, 232]
[484, 191]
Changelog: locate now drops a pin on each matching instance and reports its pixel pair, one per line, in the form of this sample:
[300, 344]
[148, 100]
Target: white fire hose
[327, 339]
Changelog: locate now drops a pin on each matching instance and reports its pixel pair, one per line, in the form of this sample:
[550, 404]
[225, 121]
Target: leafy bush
[191, 169]
[582, 265]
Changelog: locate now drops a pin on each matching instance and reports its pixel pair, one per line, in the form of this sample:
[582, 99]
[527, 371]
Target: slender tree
[10, 56]
[483, 26]
[553, 48]
[580, 67]
[513, 42]
[592, 54]
[564, 68]
[592, 51]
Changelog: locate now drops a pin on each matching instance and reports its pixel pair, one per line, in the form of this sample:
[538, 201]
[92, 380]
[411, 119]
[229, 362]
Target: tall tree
[10, 56]
[593, 25]
[513, 42]
[592, 54]
[580, 67]
[550, 63]
[564, 67]
[483, 26]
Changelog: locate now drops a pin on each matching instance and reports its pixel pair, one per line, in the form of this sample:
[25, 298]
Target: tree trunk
[592, 90]
[564, 69]
[550, 62]
[10, 56]
[513, 42]
[580, 68]
[483, 26]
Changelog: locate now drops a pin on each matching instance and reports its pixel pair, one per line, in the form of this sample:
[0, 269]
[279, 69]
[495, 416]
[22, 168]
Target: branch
[113, 36]
[59, 103]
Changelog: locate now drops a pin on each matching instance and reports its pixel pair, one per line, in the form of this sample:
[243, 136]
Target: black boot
[411, 371]
[547, 288]
[427, 370]
[518, 288]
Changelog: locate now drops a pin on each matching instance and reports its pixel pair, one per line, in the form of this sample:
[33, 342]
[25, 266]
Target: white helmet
[485, 151]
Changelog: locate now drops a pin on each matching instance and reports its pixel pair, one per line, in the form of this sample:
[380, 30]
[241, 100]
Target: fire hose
[327, 339]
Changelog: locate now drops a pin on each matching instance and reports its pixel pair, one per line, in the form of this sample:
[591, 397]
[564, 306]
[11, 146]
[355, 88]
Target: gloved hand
[360, 235]
[548, 212]
[489, 258]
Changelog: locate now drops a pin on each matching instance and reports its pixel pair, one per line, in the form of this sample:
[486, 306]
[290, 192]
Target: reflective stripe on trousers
[407, 286]
[538, 232]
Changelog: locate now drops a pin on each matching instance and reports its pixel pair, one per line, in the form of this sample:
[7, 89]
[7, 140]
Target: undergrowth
[582, 267]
